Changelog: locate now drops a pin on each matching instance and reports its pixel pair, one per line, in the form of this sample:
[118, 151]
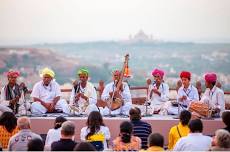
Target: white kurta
[23, 104]
[47, 94]
[214, 97]
[125, 94]
[193, 142]
[90, 92]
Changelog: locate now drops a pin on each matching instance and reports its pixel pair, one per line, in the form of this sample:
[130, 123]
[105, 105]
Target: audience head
[23, 123]
[84, 146]
[67, 129]
[35, 144]
[226, 118]
[196, 126]
[135, 114]
[222, 138]
[94, 122]
[58, 122]
[156, 139]
[185, 117]
[126, 129]
[9, 121]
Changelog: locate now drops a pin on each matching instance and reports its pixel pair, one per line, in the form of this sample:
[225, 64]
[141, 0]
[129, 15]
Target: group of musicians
[46, 95]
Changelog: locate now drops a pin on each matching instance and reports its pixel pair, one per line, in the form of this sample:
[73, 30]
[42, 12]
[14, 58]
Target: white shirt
[193, 142]
[191, 93]
[125, 94]
[46, 93]
[163, 89]
[103, 130]
[89, 91]
[214, 97]
[53, 135]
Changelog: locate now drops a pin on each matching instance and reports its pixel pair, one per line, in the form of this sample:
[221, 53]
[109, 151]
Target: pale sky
[55, 21]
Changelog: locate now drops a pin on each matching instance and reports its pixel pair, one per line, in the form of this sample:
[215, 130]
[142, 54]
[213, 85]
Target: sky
[58, 21]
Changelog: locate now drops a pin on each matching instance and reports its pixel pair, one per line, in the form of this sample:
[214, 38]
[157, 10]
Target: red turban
[158, 72]
[116, 72]
[13, 74]
[210, 77]
[185, 74]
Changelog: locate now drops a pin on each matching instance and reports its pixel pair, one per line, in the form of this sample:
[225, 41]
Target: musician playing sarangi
[12, 98]
[83, 95]
[46, 95]
[123, 93]
[213, 95]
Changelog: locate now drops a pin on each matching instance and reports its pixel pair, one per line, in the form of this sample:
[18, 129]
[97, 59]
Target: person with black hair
[35, 144]
[84, 146]
[8, 128]
[96, 132]
[155, 142]
[54, 134]
[195, 141]
[126, 141]
[226, 120]
[141, 129]
[180, 130]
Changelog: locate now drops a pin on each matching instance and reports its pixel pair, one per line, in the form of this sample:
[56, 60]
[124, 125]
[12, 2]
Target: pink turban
[13, 74]
[210, 77]
[156, 72]
[116, 72]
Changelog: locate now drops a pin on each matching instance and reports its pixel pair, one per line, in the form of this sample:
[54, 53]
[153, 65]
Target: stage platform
[161, 124]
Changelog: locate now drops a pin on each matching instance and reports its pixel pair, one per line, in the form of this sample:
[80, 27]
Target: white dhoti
[82, 110]
[122, 110]
[37, 108]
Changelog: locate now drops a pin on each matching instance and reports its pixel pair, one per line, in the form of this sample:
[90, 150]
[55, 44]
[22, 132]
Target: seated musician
[123, 94]
[213, 95]
[46, 95]
[187, 93]
[12, 95]
[159, 91]
[83, 95]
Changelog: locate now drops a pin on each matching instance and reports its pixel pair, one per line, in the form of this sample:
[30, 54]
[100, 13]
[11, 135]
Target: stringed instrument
[116, 100]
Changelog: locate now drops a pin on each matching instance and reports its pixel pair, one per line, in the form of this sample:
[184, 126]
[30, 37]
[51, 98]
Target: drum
[200, 108]
[117, 103]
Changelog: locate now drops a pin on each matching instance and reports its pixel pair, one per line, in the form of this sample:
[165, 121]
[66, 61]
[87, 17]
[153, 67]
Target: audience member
[221, 141]
[226, 120]
[84, 146]
[155, 142]
[195, 141]
[65, 143]
[35, 144]
[19, 141]
[8, 128]
[96, 132]
[141, 129]
[126, 141]
[180, 130]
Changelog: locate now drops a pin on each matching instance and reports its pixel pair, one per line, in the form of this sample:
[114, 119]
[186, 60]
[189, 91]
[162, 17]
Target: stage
[159, 123]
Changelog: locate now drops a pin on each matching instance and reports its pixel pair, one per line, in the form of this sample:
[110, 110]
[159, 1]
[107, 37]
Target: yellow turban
[48, 72]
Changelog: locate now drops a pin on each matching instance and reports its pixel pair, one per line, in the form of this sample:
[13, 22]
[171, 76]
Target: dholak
[200, 108]
[116, 104]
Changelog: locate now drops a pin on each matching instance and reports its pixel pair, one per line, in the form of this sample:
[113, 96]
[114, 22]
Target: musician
[159, 91]
[46, 95]
[83, 94]
[213, 95]
[12, 95]
[123, 93]
[187, 93]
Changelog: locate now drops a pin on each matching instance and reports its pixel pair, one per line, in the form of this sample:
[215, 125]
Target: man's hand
[156, 91]
[83, 96]
[77, 97]
[183, 98]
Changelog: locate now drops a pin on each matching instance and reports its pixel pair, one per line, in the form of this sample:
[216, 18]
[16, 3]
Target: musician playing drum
[213, 95]
[12, 98]
[123, 95]
[83, 95]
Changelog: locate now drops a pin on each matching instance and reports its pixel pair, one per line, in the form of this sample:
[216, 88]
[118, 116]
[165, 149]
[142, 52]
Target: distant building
[141, 37]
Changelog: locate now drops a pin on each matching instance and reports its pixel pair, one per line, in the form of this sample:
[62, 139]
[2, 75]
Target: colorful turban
[48, 72]
[12, 73]
[158, 72]
[210, 77]
[83, 71]
[116, 72]
[185, 74]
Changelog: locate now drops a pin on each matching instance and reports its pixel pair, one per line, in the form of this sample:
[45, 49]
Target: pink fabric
[185, 74]
[116, 72]
[210, 77]
[158, 72]
[13, 74]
